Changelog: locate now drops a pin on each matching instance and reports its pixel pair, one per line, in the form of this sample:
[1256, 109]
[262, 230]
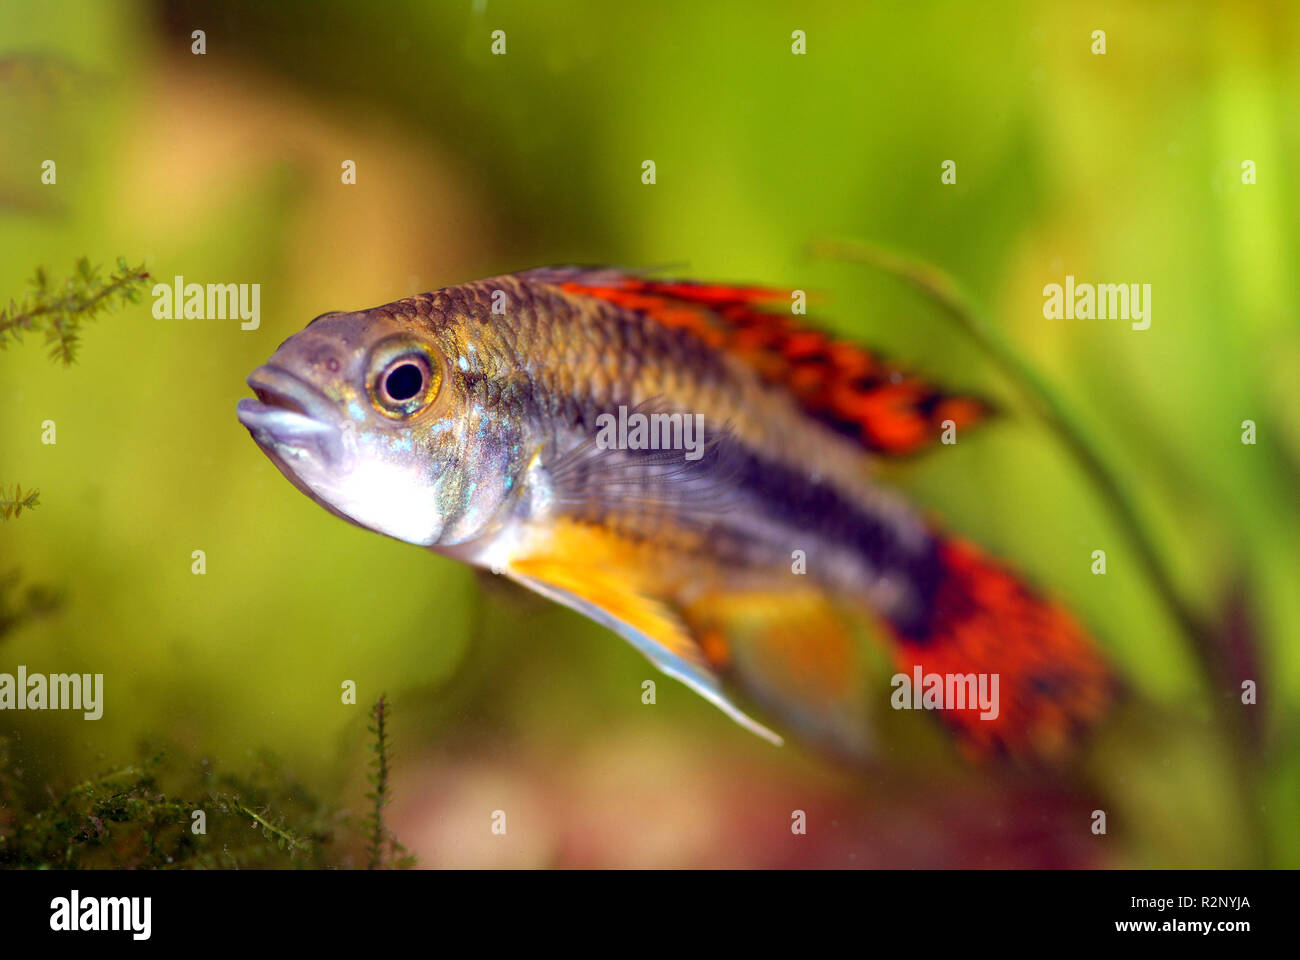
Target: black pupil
[404, 381]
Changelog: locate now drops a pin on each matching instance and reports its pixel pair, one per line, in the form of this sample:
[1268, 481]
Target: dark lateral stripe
[824, 512]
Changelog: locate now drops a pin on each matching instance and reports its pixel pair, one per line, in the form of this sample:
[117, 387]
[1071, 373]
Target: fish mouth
[290, 413]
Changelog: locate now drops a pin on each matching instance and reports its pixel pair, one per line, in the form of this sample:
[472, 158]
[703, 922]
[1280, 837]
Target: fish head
[390, 419]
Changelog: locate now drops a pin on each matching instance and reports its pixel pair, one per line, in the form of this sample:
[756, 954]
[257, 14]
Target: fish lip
[290, 412]
[277, 387]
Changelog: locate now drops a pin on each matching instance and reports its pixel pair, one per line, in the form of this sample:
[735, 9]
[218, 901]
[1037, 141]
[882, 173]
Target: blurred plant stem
[383, 849]
[1206, 644]
[18, 609]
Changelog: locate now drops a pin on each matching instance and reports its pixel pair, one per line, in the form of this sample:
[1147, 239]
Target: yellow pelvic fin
[602, 576]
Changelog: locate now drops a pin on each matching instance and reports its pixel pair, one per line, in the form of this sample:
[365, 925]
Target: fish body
[685, 465]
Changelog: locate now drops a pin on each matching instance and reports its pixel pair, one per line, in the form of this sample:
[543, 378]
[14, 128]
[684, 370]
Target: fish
[695, 467]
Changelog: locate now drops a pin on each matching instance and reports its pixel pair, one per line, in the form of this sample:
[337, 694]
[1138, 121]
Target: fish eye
[403, 381]
[405, 384]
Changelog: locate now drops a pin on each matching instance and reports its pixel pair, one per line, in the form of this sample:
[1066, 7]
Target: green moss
[171, 811]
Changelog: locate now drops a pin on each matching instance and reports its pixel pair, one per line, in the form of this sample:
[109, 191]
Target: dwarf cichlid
[691, 467]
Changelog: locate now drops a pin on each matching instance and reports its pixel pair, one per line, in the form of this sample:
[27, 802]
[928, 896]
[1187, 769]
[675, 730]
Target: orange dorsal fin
[848, 387]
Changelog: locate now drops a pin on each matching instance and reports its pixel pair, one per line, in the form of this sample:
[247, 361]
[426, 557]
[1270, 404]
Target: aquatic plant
[57, 311]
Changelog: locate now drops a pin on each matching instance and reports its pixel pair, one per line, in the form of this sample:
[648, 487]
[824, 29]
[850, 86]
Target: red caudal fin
[986, 633]
[848, 387]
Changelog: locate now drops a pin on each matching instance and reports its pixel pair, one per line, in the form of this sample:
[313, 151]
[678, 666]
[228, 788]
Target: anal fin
[794, 652]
